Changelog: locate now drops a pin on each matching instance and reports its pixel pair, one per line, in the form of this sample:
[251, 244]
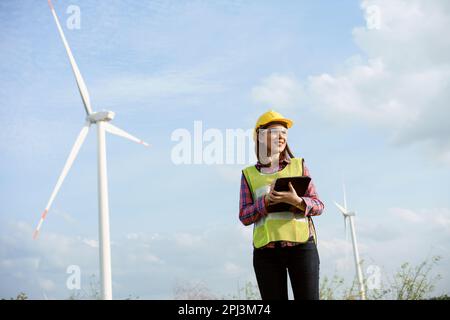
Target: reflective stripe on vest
[276, 226]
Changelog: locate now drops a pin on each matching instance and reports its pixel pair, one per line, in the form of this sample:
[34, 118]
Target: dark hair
[286, 150]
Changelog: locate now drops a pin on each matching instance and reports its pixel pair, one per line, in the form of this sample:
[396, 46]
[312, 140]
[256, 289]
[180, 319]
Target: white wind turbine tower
[350, 216]
[101, 119]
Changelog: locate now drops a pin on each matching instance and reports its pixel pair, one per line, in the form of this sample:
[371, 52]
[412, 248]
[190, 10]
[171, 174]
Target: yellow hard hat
[268, 117]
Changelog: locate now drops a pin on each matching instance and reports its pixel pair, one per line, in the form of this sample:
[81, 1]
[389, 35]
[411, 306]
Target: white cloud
[67, 217]
[338, 251]
[91, 243]
[47, 284]
[184, 239]
[278, 91]
[406, 215]
[442, 219]
[438, 218]
[142, 236]
[151, 258]
[232, 269]
[245, 232]
[399, 84]
[146, 264]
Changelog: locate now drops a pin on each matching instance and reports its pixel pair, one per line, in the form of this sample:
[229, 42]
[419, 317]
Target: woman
[281, 240]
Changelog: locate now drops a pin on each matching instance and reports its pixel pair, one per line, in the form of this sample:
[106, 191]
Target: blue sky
[370, 106]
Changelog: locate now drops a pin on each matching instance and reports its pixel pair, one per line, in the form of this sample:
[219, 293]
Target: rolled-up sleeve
[250, 211]
[314, 206]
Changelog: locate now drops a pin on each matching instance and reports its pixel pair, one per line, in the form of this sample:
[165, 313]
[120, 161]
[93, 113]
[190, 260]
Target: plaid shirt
[250, 211]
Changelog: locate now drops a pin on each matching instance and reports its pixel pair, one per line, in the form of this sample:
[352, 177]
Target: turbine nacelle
[100, 116]
[344, 210]
[349, 214]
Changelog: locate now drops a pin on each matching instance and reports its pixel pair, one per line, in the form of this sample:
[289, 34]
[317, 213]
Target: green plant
[329, 288]
[184, 290]
[415, 282]
[20, 296]
[249, 291]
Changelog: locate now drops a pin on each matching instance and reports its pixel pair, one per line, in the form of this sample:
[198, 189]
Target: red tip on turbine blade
[44, 214]
[50, 4]
[35, 234]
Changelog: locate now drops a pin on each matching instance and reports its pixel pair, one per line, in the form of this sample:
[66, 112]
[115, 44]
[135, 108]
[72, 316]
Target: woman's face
[275, 137]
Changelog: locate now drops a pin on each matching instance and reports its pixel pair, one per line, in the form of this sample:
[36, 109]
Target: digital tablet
[300, 185]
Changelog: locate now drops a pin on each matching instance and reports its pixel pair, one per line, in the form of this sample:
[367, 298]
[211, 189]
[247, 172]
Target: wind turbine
[102, 120]
[350, 215]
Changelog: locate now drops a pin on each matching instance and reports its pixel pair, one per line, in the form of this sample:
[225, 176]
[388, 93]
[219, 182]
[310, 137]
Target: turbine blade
[121, 133]
[80, 82]
[343, 210]
[73, 154]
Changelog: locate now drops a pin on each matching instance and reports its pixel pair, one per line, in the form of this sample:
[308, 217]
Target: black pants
[301, 262]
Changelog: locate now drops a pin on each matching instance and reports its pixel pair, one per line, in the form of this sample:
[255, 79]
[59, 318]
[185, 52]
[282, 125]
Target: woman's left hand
[289, 197]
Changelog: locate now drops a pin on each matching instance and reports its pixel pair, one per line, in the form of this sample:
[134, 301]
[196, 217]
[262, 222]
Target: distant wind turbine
[102, 120]
[349, 215]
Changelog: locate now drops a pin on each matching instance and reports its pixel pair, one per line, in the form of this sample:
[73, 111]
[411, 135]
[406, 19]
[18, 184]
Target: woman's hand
[289, 197]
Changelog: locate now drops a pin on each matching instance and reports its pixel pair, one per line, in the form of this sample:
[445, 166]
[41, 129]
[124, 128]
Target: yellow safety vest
[276, 226]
